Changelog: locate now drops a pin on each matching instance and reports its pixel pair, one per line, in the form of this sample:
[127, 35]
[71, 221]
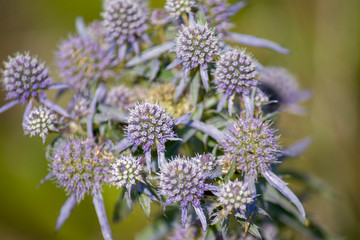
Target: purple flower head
[82, 62]
[78, 106]
[121, 97]
[183, 180]
[80, 167]
[235, 73]
[282, 86]
[234, 197]
[189, 232]
[176, 8]
[124, 21]
[150, 126]
[159, 17]
[125, 171]
[40, 121]
[217, 15]
[24, 77]
[252, 144]
[207, 162]
[196, 46]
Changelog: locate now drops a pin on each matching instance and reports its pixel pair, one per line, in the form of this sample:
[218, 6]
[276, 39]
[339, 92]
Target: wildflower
[281, 86]
[234, 196]
[150, 126]
[125, 171]
[260, 100]
[83, 62]
[40, 121]
[81, 167]
[183, 180]
[78, 106]
[125, 22]
[190, 232]
[206, 161]
[252, 144]
[176, 8]
[159, 17]
[121, 97]
[196, 46]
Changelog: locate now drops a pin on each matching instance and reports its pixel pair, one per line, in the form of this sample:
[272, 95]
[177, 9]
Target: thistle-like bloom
[196, 46]
[190, 232]
[83, 62]
[125, 171]
[80, 167]
[150, 126]
[125, 22]
[284, 88]
[234, 196]
[235, 73]
[252, 144]
[176, 8]
[121, 97]
[24, 78]
[159, 17]
[206, 161]
[182, 180]
[78, 106]
[40, 121]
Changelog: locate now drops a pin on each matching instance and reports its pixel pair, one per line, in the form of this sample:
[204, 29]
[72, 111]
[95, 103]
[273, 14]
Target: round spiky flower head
[190, 232]
[125, 171]
[78, 106]
[235, 73]
[234, 196]
[182, 180]
[124, 21]
[121, 97]
[176, 8]
[196, 45]
[24, 77]
[40, 121]
[205, 161]
[80, 166]
[82, 62]
[252, 144]
[150, 126]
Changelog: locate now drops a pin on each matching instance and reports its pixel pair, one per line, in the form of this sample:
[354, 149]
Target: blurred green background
[324, 37]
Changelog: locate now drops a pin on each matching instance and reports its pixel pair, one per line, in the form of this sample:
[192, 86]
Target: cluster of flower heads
[24, 77]
[40, 121]
[89, 150]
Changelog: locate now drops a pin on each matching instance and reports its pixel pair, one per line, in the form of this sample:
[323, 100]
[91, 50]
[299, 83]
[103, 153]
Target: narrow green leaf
[145, 203]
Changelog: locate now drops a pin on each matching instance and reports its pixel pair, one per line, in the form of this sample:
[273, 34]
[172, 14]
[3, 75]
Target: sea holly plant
[146, 117]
